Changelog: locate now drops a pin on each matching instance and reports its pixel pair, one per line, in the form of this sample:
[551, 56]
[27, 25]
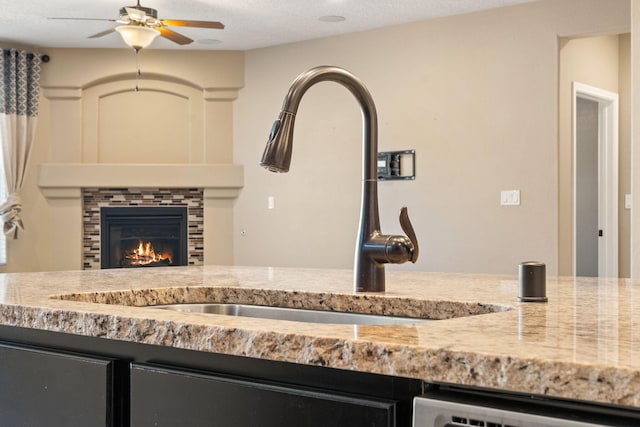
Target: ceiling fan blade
[197, 24]
[173, 36]
[102, 33]
[84, 19]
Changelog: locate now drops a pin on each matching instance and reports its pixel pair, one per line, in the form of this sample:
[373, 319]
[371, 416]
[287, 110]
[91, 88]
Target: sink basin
[294, 314]
[319, 307]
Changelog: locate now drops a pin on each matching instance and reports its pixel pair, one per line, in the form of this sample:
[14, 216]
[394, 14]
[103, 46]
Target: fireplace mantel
[63, 185]
[66, 180]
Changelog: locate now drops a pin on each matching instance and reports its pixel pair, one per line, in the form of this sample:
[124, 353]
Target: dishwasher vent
[433, 412]
[464, 421]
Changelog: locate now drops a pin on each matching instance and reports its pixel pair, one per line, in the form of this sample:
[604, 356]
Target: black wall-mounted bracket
[397, 165]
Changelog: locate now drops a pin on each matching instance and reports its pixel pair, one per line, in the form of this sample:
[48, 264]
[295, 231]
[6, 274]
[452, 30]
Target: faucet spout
[373, 249]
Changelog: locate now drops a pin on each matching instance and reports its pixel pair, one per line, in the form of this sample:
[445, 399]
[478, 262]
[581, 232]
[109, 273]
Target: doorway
[595, 178]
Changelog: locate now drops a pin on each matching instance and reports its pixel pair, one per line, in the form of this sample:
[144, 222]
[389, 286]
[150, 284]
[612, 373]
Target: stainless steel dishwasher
[450, 406]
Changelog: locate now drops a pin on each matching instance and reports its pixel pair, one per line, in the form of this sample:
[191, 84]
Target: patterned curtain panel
[19, 92]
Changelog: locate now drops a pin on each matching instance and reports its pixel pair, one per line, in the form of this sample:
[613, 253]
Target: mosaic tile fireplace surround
[76, 191]
[93, 199]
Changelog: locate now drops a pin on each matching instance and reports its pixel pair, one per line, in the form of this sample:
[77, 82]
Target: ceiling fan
[140, 25]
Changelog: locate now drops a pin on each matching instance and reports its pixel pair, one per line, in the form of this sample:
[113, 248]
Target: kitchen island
[583, 344]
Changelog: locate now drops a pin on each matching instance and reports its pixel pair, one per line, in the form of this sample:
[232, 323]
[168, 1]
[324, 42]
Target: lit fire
[144, 254]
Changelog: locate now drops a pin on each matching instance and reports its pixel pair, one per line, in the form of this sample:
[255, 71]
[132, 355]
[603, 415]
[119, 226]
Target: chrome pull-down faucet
[373, 249]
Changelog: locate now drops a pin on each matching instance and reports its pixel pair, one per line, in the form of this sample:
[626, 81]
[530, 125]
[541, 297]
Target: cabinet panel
[45, 388]
[169, 397]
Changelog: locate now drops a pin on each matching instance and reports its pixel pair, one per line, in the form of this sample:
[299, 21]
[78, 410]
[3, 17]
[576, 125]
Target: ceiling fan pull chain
[136, 89]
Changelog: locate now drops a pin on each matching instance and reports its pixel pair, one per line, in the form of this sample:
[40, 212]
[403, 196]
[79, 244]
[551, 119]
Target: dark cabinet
[46, 388]
[57, 379]
[162, 396]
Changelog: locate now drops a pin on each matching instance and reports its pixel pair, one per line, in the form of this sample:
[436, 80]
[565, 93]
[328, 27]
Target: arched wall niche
[184, 122]
[162, 122]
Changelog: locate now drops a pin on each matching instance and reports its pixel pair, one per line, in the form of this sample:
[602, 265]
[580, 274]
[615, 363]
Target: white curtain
[19, 91]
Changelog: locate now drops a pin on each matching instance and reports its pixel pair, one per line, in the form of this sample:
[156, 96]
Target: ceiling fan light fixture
[137, 36]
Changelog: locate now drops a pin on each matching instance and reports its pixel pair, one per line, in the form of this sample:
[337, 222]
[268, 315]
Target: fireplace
[143, 236]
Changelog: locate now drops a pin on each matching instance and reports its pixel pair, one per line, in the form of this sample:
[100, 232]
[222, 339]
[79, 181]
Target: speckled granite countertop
[584, 343]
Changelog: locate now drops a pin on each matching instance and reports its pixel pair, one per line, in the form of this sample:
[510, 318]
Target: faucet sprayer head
[277, 153]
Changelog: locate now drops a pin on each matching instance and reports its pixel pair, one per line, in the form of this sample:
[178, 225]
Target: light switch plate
[627, 201]
[510, 197]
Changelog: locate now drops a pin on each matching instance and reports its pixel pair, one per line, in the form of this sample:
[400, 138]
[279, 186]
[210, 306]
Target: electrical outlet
[510, 197]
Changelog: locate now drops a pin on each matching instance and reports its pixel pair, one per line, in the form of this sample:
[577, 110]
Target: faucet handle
[405, 223]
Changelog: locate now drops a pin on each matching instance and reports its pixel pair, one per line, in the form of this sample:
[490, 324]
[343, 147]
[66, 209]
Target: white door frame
[607, 175]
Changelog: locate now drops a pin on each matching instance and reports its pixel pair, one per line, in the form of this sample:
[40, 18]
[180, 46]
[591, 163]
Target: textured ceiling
[249, 23]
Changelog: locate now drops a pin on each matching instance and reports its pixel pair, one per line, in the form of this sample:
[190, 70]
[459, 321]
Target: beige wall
[635, 140]
[602, 62]
[624, 183]
[89, 114]
[475, 95]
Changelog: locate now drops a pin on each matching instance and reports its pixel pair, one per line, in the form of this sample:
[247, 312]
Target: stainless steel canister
[532, 281]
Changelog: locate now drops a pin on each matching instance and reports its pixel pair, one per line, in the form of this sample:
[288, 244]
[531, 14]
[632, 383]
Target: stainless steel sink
[294, 314]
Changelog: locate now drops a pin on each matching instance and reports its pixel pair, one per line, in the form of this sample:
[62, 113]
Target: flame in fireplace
[144, 254]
